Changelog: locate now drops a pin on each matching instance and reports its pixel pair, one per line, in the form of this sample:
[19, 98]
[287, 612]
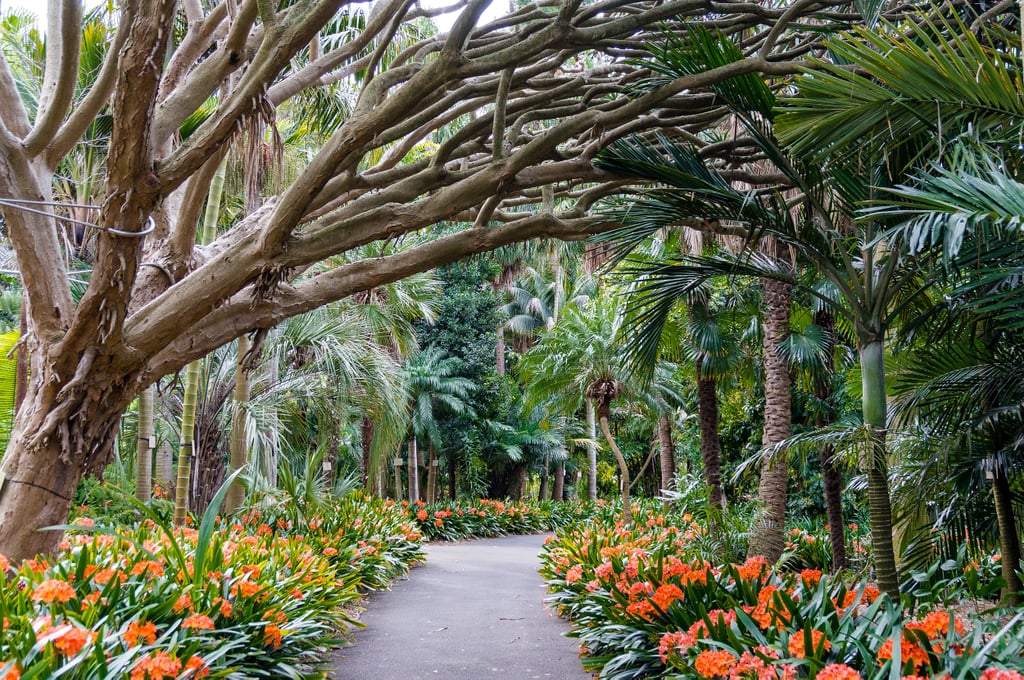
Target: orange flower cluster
[53, 590]
[798, 643]
[838, 671]
[157, 666]
[714, 663]
[139, 633]
[199, 622]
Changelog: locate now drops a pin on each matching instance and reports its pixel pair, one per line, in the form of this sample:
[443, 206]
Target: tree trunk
[499, 351]
[591, 452]
[21, 358]
[1009, 539]
[432, 475]
[453, 487]
[366, 431]
[710, 446]
[768, 537]
[627, 510]
[831, 476]
[398, 477]
[542, 493]
[558, 483]
[239, 447]
[874, 461]
[144, 453]
[413, 472]
[186, 445]
[668, 454]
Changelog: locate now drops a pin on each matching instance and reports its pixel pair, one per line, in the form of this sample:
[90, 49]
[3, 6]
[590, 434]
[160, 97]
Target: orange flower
[183, 603]
[156, 666]
[5, 563]
[838, 671]
[909, 651]
[997, 674]
[103, 576]
[665, 595]
[672, 642]
[196, 667]
[797, 642]
[53, 590]
[713, 662]
[936, 625]
[12, 673]
[272, 636]
[330, 552]
[246, 588]
[226, 609]
[574, 574]
[199, 622]
[422, 515]
[810, 577]
[70, 640]
[139, 632]
[148, 568]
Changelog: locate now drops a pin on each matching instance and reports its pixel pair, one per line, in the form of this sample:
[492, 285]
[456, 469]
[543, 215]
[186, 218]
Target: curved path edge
[474, 610]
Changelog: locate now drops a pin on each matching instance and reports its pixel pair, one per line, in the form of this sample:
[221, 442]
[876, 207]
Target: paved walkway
[474, 611]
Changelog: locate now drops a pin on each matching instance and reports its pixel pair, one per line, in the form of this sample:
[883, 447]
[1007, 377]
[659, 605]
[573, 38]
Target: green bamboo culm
[193, 372]
[144, 455]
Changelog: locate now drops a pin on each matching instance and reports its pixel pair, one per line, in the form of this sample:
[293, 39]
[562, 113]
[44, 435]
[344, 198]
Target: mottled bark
[767, 537]
[432, 463]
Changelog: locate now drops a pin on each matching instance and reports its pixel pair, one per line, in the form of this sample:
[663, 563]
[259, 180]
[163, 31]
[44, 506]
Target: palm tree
[578, 365]
[432, 382]
[874, 285]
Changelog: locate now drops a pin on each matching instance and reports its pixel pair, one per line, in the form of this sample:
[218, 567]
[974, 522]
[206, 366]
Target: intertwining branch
[471, 127]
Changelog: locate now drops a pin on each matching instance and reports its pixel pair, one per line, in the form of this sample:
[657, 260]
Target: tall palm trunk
[591, 452]
[558, 485]
[144, 455]
[398, 477]
[453, 487]
[413, 472]
[366, 432]
[1009, 539]
[499, 351]
[627, 510]
[668, 454]
[239, 448]
[832, 479]
[542, 492]
[431, 474]
[875, 462]
[768, 536]
[186, 445]
[710, 445]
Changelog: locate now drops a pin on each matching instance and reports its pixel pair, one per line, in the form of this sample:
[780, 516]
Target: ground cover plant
[260, 596]
[484, 518]
[649, 601]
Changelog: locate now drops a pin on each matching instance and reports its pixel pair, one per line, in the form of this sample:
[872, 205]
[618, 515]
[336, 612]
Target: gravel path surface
[475, 610]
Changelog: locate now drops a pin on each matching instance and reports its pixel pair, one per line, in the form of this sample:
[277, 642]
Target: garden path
[475, 610]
